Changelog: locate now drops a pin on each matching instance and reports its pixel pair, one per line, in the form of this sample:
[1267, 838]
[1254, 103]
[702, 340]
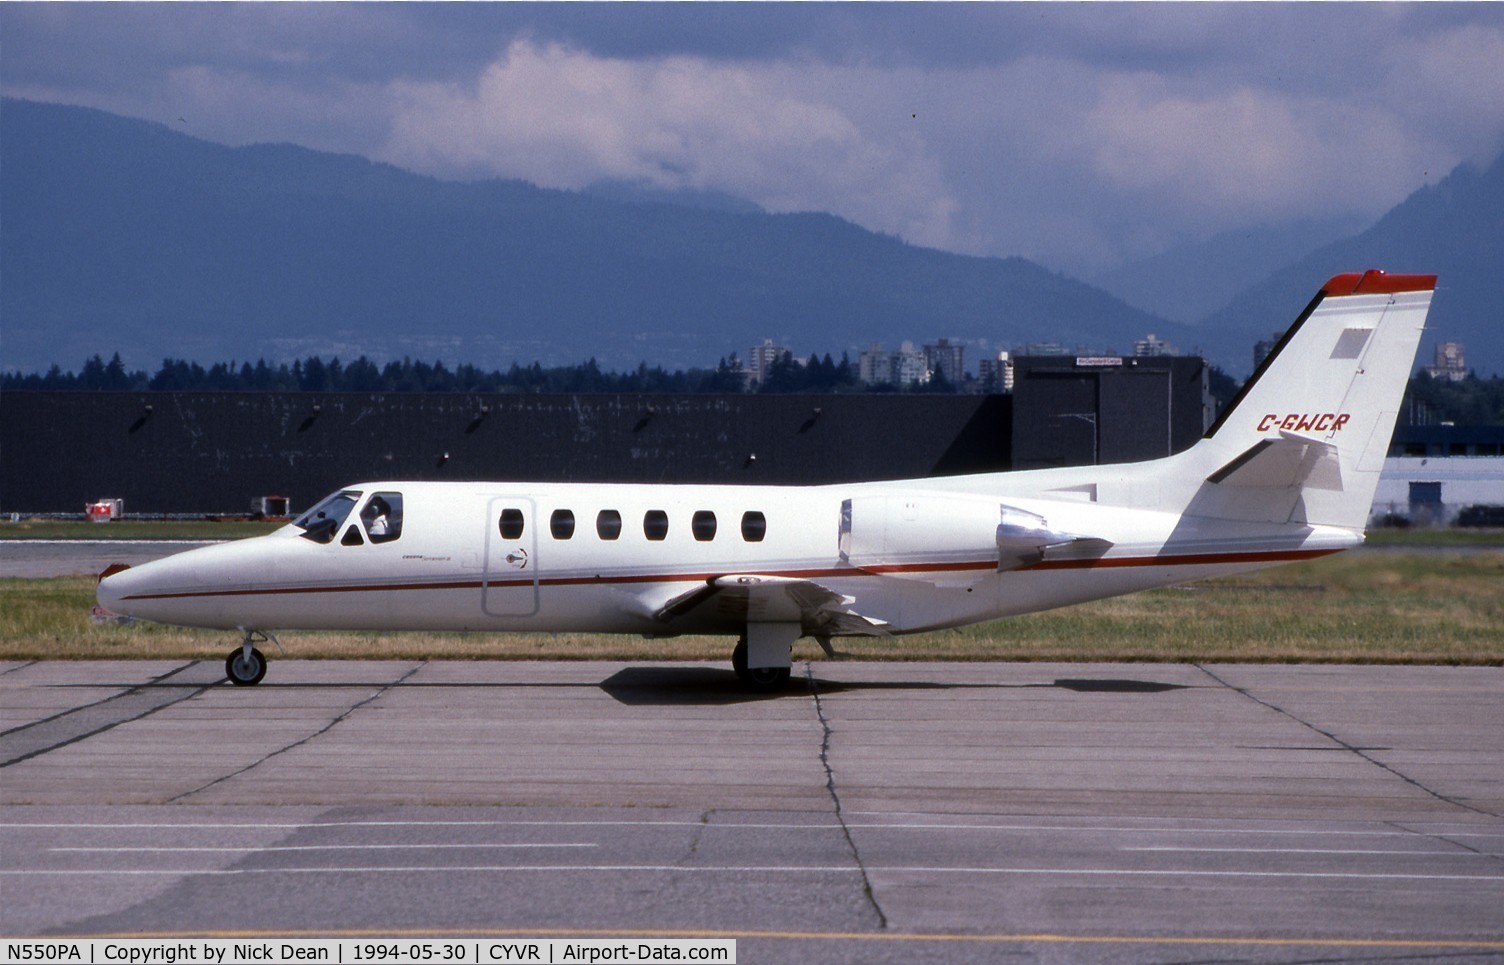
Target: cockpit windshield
[322, 521]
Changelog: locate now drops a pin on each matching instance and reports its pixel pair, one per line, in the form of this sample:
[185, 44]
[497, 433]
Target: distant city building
[875, 366]
[1450, 362]
[910, 365]
[1045, 348]
[760, 358]
[1262, 348]
[996, 374]
[1152, 346]
[907, 366]
[946, 359]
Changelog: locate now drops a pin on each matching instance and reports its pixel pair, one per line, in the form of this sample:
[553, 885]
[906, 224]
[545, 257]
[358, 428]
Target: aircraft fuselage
[608, 558]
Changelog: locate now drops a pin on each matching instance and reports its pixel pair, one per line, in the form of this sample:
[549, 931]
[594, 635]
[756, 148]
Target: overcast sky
[1080, 136]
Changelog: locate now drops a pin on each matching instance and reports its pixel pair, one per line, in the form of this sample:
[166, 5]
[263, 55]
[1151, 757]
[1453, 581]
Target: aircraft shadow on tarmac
[677, 686]
[694, 686]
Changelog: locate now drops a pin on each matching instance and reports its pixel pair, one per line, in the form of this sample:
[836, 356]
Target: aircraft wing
[771, 599]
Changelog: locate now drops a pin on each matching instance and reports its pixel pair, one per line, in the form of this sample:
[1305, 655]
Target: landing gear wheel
[245, 672]
[762, 680]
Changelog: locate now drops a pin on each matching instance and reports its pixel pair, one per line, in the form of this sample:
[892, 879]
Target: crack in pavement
[300, 742]
[1348, 746]
[835, 796]
[80, 723]
[699, 835]
[1447, 838]
[19, 666]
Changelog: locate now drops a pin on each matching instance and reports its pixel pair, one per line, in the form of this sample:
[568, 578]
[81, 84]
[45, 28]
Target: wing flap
[750, 598]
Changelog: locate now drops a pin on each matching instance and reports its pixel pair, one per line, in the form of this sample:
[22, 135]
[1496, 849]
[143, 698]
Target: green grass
[1385, 607]
[1377, 606]
[1439, 536]
[136, 529]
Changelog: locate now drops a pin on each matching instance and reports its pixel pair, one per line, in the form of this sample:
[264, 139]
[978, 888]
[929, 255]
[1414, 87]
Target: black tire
[242, 672]
[762, 680]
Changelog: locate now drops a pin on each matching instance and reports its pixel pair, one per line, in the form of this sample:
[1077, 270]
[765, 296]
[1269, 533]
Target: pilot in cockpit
[378, 516]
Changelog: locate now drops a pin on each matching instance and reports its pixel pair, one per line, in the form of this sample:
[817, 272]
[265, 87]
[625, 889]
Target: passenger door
[509, 587]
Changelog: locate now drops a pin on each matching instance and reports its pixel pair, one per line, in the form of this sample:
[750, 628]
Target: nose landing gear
[245, 666]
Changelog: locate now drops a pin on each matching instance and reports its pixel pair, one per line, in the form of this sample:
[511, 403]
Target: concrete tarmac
[36, 559]
[875, 812]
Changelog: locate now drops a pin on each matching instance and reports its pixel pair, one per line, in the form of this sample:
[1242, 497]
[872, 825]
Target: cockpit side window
[382, 517]
[322, 521]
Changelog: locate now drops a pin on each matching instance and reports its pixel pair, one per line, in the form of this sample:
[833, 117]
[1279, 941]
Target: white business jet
[1287, 472]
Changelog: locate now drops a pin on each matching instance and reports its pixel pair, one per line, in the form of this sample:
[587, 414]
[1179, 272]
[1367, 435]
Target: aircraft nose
[195, 588]
[112, 588]
[146, 591]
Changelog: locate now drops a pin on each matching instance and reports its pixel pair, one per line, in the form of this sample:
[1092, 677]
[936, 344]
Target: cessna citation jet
[1286, 473]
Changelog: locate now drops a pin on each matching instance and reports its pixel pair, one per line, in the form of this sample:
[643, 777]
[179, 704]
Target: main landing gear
[763, 657]
[245, 666]
[761, 680]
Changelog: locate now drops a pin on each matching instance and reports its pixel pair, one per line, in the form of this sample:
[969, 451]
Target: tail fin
[1305, 439]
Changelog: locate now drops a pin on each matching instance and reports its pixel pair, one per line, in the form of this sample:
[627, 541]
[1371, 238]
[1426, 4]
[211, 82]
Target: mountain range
[1453, 229]
[121, 235]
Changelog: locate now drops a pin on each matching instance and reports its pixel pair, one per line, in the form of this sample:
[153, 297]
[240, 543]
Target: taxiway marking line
[750, 826]
[764, 869]
[1400, 853]
[320, 847]
[1013, 938]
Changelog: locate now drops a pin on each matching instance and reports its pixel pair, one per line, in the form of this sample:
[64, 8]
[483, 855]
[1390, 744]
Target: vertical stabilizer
[1305, 439]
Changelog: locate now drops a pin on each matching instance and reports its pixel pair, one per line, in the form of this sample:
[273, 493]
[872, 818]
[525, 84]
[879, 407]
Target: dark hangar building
[219, 452]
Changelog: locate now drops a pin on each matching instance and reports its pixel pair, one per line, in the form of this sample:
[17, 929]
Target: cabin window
[561, 524]
[754, 526]
[655, 524]
[322, 521]
[382, 517]
[703, 525]
[512, 524]
[608, 524]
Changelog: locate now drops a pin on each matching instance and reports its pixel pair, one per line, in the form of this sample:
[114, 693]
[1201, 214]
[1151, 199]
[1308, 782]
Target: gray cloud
[565, 118]
[1076, 135]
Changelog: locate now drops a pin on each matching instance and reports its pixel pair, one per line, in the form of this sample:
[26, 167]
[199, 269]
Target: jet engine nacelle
[918, 536]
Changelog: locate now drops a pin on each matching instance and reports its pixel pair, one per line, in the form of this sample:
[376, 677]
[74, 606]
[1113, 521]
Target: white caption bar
[369, 951]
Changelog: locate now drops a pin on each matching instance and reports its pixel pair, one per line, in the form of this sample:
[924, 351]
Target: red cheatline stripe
[1184, 559]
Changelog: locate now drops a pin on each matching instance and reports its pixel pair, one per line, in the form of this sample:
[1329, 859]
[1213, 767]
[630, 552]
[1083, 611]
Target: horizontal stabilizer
[1290, 461]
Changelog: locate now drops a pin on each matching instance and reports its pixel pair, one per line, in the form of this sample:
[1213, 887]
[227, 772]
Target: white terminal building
[1434, 474]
